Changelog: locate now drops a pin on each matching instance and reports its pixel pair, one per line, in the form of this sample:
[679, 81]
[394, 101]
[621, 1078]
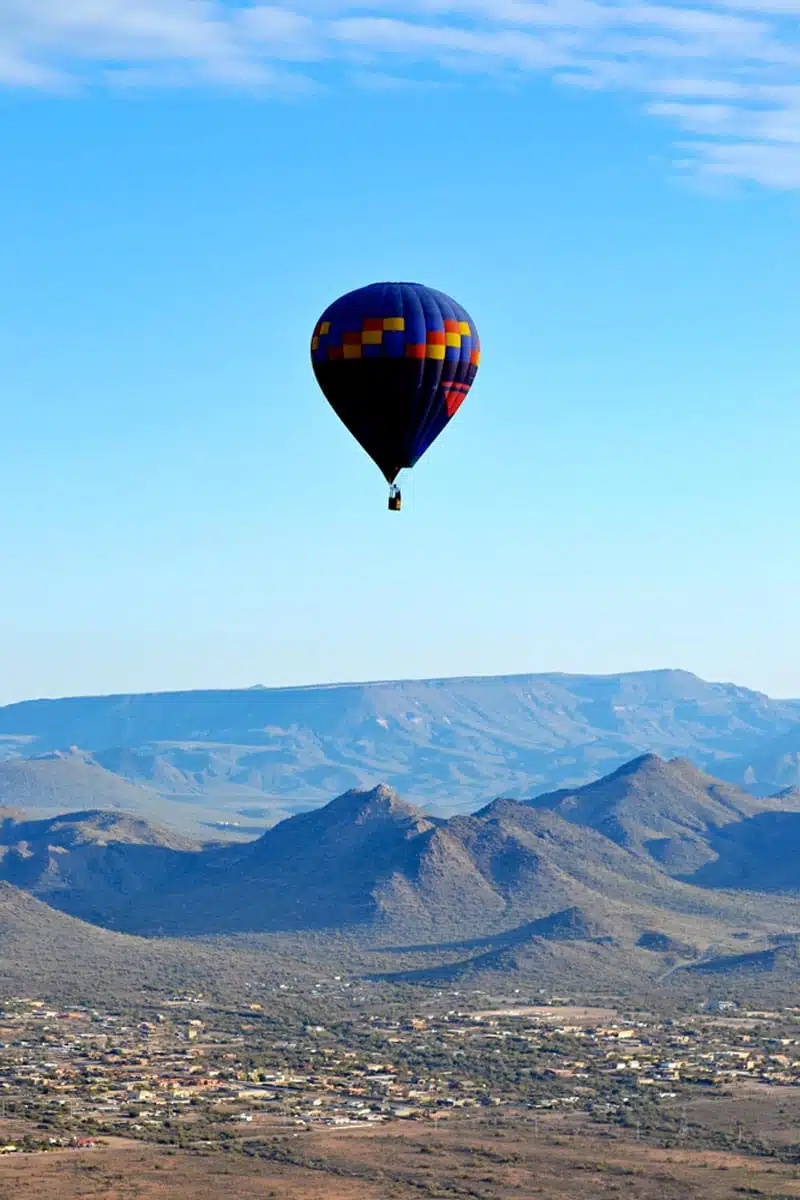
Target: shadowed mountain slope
[49, 954]
[89, 864]
[760, 854]
[669, 811]
[365, 858]
[372, 865]
[570, 878]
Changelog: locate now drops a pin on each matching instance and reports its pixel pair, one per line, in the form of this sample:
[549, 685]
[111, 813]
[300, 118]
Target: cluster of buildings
[79, 1073]
[651, 1052]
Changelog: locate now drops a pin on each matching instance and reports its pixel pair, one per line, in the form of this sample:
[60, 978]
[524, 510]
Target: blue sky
[610, 190]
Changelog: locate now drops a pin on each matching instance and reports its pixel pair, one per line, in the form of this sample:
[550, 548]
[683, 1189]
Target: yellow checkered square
[351, 351]
[395, 324]
[314, 342]
[464, 329]
[452, 339]
[372, 337]
[435, 351]
[324, 328]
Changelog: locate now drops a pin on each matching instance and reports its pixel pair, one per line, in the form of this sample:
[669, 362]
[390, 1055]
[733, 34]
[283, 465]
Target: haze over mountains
[256, 755]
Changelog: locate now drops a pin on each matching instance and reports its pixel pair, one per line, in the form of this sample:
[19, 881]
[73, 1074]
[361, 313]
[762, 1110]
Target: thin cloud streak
[726, 71]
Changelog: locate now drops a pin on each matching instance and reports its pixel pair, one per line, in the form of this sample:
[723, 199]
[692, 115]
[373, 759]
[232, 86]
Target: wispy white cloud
[725, 71]
[427, 42]
[770, 164]
[186, 41]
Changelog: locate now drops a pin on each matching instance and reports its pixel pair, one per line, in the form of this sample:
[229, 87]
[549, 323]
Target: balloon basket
[395, 499]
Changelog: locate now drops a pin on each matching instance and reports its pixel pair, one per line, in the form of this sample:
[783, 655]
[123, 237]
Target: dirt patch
[151, 1173]
[462, 1159]
[557, 1015]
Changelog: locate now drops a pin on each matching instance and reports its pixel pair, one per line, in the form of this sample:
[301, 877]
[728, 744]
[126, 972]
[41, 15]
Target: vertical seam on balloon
[415, 299]
[433, 373]
[430, 412]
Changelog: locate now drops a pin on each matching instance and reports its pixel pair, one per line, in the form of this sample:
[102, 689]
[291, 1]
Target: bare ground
[459, 1159]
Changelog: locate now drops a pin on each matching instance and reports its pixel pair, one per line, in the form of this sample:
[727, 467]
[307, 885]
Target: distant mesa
[451, 744]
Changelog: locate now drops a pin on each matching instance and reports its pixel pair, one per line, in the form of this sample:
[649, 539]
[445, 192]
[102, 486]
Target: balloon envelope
[395, 361]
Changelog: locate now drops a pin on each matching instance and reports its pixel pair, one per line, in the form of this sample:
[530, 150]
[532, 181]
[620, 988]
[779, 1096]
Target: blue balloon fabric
[395, 361]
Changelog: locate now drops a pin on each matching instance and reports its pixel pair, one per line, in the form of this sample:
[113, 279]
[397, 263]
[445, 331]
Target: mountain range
[656, 867]
[239, 761]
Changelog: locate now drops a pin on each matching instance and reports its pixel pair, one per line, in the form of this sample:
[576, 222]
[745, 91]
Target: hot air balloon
[395, 361]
